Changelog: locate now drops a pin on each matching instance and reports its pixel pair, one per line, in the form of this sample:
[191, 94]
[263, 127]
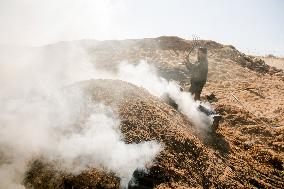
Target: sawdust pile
[166, 50]
[190, 157]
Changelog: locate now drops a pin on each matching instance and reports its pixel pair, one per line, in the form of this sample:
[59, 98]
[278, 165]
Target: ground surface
[247, 150]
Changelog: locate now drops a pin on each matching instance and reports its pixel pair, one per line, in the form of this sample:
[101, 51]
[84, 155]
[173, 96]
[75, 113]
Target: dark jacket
[198, 71]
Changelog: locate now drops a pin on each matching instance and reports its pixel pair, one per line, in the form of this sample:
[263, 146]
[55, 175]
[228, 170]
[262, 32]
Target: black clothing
[199, 72]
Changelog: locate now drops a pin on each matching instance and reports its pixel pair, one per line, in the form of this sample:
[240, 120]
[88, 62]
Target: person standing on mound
[199, 72]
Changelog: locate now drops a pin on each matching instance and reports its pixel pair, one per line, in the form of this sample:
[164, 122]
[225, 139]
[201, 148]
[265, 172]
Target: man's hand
[189, 65]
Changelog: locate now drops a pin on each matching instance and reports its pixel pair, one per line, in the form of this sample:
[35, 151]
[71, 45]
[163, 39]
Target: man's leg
[197, 96]
[199, 87]
[192, 88]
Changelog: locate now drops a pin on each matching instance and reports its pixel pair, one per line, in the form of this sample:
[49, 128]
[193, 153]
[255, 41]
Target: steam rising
[145, 75]
[40, 118]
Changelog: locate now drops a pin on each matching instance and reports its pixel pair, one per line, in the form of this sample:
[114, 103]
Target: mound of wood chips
[190, 159]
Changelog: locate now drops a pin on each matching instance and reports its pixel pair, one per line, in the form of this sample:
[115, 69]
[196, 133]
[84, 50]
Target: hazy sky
[250, 25]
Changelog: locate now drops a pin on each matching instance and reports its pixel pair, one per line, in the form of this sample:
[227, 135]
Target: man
[199, 72]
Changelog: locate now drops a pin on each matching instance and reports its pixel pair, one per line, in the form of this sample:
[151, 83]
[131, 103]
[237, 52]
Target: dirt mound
[225, 51]
[236, 156]
[143, 117]
[256, 148]
[246, 151]
[168, 53]
[230, 71]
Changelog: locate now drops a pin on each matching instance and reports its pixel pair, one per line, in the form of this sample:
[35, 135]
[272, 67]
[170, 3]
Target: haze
[254, 27]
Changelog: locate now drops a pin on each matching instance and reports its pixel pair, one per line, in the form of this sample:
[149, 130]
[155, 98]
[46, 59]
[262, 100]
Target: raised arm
[189, 65]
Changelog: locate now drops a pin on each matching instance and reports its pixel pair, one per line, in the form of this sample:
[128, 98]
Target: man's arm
[189, 65]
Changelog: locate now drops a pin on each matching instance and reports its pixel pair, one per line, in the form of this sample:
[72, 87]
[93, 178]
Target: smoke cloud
[146, 76]
[40, 118]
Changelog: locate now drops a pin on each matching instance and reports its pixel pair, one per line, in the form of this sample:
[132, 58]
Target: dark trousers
[196, 87]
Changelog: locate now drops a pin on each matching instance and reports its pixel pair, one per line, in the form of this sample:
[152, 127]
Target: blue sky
[254, 26]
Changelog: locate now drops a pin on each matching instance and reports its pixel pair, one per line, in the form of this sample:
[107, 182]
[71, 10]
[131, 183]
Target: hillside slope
[257, 85]
[247, 150]
[233, 159]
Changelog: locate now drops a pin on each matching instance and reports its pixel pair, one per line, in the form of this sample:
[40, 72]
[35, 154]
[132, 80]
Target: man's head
[202, 53]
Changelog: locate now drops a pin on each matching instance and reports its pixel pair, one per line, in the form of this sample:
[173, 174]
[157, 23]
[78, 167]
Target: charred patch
[276, 163]
[146, 180]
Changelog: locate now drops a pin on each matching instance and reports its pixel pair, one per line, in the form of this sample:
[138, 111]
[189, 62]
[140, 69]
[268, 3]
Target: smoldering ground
[40, 118]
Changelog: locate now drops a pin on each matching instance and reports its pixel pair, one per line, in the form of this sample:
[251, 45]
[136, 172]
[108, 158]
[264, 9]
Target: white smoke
[39, 117]
[99, 144]
[146, 76]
